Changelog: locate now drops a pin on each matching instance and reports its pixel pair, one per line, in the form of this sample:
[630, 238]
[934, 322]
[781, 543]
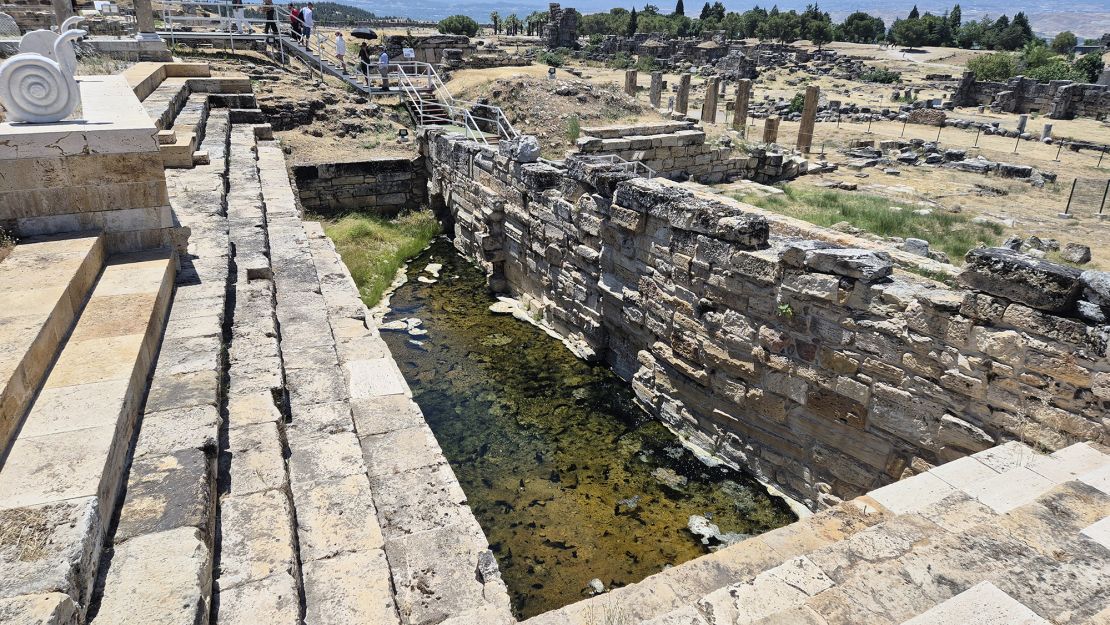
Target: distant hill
[333, 12]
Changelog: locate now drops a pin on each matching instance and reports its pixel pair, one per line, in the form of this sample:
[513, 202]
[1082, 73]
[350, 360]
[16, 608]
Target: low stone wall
[817, 369]
[384, 186]
[1057, 99]
[677, 151]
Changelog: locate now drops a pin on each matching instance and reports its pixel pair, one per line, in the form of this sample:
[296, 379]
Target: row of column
[144, 16]
[714, 89]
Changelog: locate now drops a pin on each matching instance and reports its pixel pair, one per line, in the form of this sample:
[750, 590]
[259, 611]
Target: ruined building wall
[386, 186]
[815, 373]
[1057, 99]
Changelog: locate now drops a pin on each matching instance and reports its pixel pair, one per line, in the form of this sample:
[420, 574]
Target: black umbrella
[364, 33]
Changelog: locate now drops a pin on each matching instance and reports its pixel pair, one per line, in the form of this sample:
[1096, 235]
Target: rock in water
[1021, 278]
[669, 478]
[701, 526]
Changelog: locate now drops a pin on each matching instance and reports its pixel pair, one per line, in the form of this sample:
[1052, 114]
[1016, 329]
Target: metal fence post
[907, 120]
[1058, 150]
[977, 131]
[1100, 155]
[1104, 192]
[1067, 208]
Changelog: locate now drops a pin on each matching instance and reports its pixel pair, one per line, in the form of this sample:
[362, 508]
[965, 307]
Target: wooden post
[809, 118]
[740, 109]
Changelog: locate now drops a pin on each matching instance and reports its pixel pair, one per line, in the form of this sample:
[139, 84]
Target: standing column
[63, 10]
[740, 109]
[709, 107]
[771, 129]
[809, 118]
[144, 18]
[630, 82]
[656, 88]
[682, 102]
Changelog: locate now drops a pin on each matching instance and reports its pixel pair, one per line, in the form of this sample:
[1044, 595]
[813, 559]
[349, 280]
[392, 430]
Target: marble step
[1010, 484]
[64, 473]
[163, 546]
[50, 279]
[164, 103]
[188, 132]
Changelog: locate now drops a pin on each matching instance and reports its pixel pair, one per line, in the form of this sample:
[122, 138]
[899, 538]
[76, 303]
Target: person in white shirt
[341, 51]
[307, 23]
[383, 69]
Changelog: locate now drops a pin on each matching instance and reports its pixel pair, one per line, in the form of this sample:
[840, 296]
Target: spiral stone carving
[35, 89]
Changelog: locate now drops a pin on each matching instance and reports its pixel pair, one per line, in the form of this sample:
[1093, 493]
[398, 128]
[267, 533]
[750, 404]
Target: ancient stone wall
[1057, 99]
[385, 186]
[677, 151]
[813, 367]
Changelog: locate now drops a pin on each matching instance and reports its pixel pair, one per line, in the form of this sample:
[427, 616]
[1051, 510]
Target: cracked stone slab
[49, 548]
[336, 516]
[386, 413]
[165, 432]
[349, 588]
[256, 537]
[255, 458]
[163, 578]
[318, 456]
[420, 500]
[272, 600]
[53, 608]
[983, 604]
[401, 450]
[167, 492]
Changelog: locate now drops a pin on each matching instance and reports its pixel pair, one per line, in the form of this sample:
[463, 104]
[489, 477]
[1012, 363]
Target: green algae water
[569, 479]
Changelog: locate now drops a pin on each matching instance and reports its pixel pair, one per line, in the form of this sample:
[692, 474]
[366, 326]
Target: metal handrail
[618, 161]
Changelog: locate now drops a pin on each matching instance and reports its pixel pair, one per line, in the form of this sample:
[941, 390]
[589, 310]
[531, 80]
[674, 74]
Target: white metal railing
[431, 103]
[621, 163]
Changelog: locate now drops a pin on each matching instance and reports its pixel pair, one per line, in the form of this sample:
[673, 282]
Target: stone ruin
[561, 29]
[1058, 99]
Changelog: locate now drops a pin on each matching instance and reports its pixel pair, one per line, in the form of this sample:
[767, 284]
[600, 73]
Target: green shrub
[881, 75]
[1057, 69]
[994, 67]
[551, 57]
[620, 60]
[647, 64]
[798, 102]
[574, 129]
[458, 25]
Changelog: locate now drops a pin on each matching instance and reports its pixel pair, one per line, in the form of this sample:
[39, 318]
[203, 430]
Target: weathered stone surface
[420, 500]
[49, 548]
[166, 432]
[46, 609]
[335, 516]
[859, 264]
[1096, 287]
[167, 492]
[272, 600]
[257, 537]
[159, 578]
[349, 588]
[522, 149]
[1021, 278]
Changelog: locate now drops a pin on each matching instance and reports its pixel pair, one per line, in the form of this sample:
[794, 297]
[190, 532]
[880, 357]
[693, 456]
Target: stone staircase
[67, 451]
[1008, 534]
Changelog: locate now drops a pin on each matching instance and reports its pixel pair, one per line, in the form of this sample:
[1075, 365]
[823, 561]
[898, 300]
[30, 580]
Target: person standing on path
[270, 13]
[383, 69]
[307, 24]
[365, 58]
[295, 21]
[341, 51]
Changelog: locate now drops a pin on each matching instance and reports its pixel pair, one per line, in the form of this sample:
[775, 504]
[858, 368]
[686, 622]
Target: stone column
[144, 18]
[656, 88]
[63, 10]
[771, 129]
[709, 107]
[1046, 131]
[630, 82]
[809, 117]
[682, 102]
[1022, 121]
[740, 108]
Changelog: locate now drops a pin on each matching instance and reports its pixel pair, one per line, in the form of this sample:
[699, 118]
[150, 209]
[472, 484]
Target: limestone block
[386, 413]
[255, 458]
[49, 548]
[257, 539]
[272, 600]
[983, 603]
[160, 578]
[349, 588]
[53, 608]
[335, 516]
[863, 265]
[420, 500]
[1021, 278]
[316, 456]
[168, 492]
[401, 450]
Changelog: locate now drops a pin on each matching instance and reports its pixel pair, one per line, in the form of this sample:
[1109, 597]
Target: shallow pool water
[570, 481]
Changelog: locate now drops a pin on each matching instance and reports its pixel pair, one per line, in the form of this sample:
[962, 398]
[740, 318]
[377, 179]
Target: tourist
[306, 24]
[383, 69]
[365, 59]
[270, 13]
[341, 51]
[295, 21]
